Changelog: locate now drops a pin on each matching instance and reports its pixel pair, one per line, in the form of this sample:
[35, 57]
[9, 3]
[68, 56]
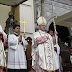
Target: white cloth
[2, 52]
[16, 54]
[41, 20]
[47, 60]
[4, 34]
[57, 53]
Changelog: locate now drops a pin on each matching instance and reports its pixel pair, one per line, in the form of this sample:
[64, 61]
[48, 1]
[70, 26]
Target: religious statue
[38, 13]
[10, 22]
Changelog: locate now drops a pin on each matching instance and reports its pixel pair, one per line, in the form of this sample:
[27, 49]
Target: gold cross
[24, 25]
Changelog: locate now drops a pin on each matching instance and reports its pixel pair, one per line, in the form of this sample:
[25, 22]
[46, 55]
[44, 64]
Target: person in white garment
[43, 55]
[16, 54]
[3, 38]
[56, 46]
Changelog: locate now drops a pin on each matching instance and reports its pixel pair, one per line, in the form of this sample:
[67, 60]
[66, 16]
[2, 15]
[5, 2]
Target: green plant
[59, 41]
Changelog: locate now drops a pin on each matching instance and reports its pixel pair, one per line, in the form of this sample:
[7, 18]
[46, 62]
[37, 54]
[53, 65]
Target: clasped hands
[20, 38]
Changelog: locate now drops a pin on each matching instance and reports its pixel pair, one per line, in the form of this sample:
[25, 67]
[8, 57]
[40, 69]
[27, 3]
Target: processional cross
[24, 25]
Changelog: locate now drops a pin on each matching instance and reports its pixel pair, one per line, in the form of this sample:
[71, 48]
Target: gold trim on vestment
[52, 53]
[45, 55]
[42, 20]
[42, 23]
[46, 69]
[36, 38]
[44, 50]
[33, 54]
[33, 45]
[51, 48]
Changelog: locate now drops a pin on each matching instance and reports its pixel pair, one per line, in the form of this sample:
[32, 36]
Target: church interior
[31, 10]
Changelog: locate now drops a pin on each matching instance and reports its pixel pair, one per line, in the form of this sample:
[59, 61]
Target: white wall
[27, 11]
[4, 10]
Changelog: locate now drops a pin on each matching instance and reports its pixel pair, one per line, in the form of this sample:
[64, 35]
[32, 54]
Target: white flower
[66, 44]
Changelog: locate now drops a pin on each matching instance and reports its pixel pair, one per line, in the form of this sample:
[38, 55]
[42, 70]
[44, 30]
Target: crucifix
[24, 25]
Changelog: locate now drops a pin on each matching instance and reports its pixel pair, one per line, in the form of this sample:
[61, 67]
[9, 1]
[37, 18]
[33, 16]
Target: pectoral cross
[24, 25]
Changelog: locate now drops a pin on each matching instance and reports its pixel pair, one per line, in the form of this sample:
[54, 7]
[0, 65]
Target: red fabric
[1, 37]
[37, 67]
[54, 40]
[1, 69]
[41, 40]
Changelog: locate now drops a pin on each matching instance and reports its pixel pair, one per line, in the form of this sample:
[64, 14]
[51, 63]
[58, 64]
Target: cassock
[16, 53]
[58, 49]
[56, 52]
[43, 55]
[3, 38]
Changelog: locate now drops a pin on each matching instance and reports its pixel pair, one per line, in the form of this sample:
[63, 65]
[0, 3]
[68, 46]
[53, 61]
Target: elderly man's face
[42, 27]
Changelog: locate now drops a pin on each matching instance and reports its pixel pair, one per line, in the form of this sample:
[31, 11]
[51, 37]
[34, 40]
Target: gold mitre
[41, 20]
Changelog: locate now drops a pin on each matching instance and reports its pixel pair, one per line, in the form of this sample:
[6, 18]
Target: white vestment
[47, 60]
[16, 54]
[57, 53]
[2, 52]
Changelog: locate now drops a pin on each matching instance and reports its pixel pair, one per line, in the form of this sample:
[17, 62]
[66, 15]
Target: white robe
[47, 60]
[57, 53]
[2, 52]
[16, 54]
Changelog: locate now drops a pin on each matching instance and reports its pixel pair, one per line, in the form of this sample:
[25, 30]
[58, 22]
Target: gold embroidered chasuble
[47, 59]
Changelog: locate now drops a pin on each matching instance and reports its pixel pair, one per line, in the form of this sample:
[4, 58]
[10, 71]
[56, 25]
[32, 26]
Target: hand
[55, 32]
[20, 38]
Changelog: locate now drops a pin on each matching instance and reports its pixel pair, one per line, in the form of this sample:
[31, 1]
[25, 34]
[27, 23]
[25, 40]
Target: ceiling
[11, 2]
[65, 20]
[67, 2]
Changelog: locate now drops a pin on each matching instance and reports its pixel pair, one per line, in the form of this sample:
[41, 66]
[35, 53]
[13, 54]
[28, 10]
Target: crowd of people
[44, 54]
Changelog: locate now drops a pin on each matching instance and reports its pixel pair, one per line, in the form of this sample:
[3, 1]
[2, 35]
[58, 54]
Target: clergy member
[3, 38]
[56, 46]
[43, 55]
[16, 55]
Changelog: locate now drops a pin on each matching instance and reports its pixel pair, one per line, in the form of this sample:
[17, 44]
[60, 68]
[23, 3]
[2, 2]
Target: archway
[63, 33]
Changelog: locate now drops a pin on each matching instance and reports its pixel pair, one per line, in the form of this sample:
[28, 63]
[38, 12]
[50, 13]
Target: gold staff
[54, 18]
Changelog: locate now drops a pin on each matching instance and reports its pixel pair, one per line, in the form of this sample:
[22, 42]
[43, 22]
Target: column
[34, 10]
[42, 8]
